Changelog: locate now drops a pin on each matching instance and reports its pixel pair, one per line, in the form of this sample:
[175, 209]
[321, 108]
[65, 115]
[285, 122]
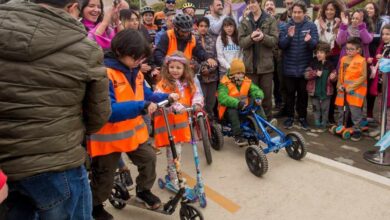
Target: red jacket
[311, 76]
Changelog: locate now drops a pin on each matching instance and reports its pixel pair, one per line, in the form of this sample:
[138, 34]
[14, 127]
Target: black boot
[99, 213]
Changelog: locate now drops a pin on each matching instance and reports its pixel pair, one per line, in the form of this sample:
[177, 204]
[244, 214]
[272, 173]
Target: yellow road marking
[214, 195]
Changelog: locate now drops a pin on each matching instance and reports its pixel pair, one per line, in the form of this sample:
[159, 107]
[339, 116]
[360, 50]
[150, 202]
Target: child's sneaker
[288, 124]
[240, 141]
[126, 177]
[356, 136]
[151, 201]
[340, 129]
[303, 124]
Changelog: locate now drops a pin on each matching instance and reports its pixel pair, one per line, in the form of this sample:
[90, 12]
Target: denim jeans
[50, 195]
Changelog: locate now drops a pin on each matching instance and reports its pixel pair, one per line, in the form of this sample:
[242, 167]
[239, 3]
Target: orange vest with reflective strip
[233, 92]
[172, 46]
[123, 136]
[347, 77]
[178, 122]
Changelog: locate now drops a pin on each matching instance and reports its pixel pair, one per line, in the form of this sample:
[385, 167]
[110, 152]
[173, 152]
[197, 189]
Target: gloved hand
[241, 105]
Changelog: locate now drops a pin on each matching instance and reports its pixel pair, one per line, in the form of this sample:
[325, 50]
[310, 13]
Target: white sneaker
[374, 133]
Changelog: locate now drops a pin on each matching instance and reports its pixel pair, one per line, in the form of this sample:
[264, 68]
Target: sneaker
[340, 129]
[370, 120]
[288, 124]
[303, 124]
[126, 178]
[149, 199]
[374, 133]
[240, 141]
[99, 213]
[356, 136]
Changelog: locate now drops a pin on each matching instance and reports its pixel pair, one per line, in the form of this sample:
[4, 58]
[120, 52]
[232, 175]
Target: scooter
[120, 196]
[197, 193]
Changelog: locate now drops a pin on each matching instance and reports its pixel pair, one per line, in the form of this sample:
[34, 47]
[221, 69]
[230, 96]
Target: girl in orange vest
[177, 77]
[352, 86]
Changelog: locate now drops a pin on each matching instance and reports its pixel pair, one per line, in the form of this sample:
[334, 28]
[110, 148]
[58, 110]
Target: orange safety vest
[178, 122]
[233, 92]
[347, 77]
[123, 136]
[172, 46]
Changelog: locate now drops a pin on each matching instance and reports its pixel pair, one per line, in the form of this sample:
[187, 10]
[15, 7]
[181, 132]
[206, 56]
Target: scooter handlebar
[163, 103]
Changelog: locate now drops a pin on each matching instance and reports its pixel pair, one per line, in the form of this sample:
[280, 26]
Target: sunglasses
[170, 2]
[328, 27]
[350, 48]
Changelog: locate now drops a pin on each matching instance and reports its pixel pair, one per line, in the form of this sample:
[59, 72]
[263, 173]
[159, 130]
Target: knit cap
[237, 66]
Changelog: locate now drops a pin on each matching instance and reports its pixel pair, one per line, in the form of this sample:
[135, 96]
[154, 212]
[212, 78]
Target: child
[382, 52]
[147, 14]
[352, 86]
[227, 45]
[234, 91]
[177, 78]
[320, 75]
[209, 75]
[126, 130]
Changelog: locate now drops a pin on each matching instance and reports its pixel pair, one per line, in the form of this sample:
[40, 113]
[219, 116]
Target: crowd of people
[81, 76]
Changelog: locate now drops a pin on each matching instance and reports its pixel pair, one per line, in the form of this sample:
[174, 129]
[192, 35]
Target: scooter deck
[133, 202]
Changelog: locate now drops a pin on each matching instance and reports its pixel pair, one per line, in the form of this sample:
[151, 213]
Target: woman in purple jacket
[359, 27]
[101, 26]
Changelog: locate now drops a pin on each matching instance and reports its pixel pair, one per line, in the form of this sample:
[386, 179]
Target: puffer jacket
[297, 54]
[54, 88]
[264, 62]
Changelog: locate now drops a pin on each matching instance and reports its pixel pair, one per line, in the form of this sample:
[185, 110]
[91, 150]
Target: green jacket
[264, 62]
[224, 99]
[54, 88]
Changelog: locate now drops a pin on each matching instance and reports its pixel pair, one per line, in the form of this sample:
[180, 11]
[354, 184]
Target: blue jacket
[297, 54]
[131, 109]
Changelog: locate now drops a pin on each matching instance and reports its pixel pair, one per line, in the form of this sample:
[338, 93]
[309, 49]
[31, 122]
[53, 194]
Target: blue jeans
[50, 195]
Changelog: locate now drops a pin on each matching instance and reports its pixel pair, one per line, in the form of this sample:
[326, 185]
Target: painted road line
[350, 169]
[214, 195]
[346, 147]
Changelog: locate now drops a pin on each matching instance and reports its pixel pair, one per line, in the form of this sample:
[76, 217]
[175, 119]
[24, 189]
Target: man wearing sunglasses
[57, 89]
[159, 17]
[182, 39]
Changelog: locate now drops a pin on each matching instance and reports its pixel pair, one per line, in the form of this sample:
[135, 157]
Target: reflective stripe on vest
[172, 45]
[347, 78]
[241, 95]
[178, 122]
[123, 136]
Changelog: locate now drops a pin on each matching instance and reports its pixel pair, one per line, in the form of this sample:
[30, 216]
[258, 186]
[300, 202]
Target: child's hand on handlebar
[197, 107]
[242, 105]
[174, 97]
[152, 108]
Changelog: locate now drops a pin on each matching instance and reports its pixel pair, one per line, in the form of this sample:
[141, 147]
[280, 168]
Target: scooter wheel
[203, 200]
[332, 129]
[256, 160]
[118, 192]
[161, 183]
[297, 149]
[188, 212]
[346, 134]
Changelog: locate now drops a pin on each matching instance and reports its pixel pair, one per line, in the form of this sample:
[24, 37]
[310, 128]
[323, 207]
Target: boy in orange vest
[352, 87]
[234, 91]
[126, 130]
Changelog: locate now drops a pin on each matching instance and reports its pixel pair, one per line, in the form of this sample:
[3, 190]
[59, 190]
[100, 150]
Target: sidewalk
[315, 188]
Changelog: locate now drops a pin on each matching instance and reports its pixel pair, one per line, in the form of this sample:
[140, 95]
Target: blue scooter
[197, 193]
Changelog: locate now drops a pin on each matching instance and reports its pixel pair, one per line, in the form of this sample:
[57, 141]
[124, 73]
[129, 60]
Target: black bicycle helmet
[146, 9]
[183, 22]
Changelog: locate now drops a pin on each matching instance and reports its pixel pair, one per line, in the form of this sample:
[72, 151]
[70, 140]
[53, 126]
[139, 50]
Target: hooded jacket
[54, 88]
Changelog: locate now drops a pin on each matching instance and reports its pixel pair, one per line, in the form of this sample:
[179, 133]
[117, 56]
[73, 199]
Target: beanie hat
[237, 66]
[3, 179]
